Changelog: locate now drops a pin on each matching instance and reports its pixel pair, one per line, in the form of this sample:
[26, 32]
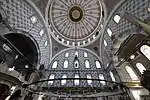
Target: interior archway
[27, 47]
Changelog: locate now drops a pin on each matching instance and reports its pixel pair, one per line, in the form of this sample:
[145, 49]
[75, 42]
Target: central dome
[75, 19]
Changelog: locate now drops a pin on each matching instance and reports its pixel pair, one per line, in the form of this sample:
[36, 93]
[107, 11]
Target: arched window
[105, 43]
[87, 64]
[140, 67]
[78, 43]
[101, 25]
[73, 43]
[132, 56]
[101, 77]
[33, 19]
[12, 89]
[51, 77]
[76, 53]
[66, 64]
[148, 8]
[109, 32]
[6, 48]
[67, 42]
[26, 66]
[98, 65]
[112, 76]
[76, 81]
[63, 82]
[117, 18]
[85, 55]
[46, 43]
[94, 37]
[89, 77]
[41, 32]
[131, 73]
[67, 54]
[11, 69]
[55, 64]
[89, 39]
[16, 57]
[83, 42]
[145, 49]
[57, 36]
[62, 40]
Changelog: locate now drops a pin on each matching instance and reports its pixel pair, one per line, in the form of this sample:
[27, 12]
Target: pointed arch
[55, 63]
[66, 64]
[87, 64]
[131, 73]
[145, 49]
[140, 67]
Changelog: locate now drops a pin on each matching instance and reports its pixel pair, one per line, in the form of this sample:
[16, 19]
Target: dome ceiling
[73, 20]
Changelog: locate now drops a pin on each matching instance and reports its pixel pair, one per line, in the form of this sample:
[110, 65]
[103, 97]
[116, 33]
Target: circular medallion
[75, 14]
